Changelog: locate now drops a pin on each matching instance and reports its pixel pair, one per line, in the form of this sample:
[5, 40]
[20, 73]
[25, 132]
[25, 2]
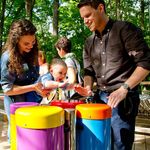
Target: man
[118, 57]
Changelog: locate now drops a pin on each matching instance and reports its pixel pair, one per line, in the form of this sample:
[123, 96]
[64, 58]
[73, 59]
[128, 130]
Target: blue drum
[93, 127]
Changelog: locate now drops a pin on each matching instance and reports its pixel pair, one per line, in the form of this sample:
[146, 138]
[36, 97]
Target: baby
[56, 75]
[55, 79]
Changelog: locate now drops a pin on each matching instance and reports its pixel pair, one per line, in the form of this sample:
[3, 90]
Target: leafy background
[55, 18]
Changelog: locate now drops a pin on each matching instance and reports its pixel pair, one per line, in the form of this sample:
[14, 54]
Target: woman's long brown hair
[20, 28]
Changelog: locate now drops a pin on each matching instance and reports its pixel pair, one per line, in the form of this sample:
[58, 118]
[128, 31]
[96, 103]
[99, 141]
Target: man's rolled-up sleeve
[136, 45]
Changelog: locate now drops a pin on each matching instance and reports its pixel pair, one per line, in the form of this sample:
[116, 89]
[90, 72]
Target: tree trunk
[118, 9]
[29, 7]
[55, 17]
[149, 13]
[142, 14]
[2, 22]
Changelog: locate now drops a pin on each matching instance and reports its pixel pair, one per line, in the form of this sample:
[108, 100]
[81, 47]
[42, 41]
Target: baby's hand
[62, 85]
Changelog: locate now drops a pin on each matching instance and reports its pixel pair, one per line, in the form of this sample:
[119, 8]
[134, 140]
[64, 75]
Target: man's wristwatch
[126, 86]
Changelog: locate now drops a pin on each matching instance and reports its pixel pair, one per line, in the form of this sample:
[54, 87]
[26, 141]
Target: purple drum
[40, 128]
[13, 108]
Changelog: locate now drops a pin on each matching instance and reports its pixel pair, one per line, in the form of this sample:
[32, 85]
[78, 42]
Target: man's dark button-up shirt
[112, 56]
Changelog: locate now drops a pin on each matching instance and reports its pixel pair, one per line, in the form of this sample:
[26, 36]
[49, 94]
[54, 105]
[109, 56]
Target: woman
[19, 64]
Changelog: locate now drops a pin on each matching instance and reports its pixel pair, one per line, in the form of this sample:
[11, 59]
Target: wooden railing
[1, 99]
[145, 83]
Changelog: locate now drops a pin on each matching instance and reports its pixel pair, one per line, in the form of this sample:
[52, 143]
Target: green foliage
[14, 10]
[71, 25]
[70, 22]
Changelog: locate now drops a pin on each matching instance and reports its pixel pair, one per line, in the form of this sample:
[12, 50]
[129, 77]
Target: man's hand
[116, 97]
[84, 91]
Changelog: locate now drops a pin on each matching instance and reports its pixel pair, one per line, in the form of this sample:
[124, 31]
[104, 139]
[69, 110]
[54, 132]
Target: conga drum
[13, 108]
[40, 128]
[69, 127]
[93, 127]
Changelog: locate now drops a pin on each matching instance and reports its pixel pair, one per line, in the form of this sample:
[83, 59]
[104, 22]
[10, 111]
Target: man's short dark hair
[92, 3]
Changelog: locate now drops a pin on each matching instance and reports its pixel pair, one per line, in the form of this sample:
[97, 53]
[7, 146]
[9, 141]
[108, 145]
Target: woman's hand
[39, 89]
[84, 91]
